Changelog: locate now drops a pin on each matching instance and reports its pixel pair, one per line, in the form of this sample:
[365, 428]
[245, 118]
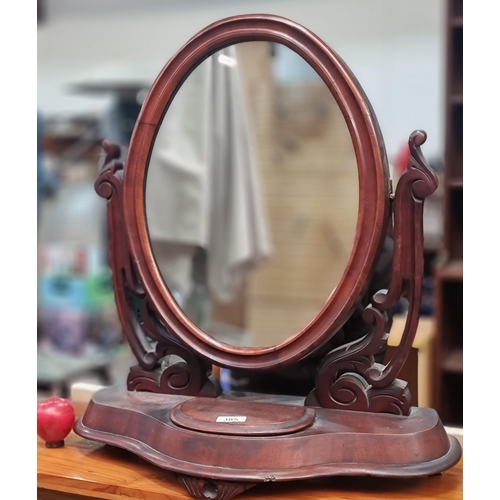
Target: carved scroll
[348, 377]
[189, 375]
[150, 341]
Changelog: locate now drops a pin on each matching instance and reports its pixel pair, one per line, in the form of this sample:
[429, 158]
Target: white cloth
[202, 186]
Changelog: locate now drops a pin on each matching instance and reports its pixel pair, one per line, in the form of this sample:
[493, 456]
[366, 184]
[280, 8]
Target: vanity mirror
[246, 230]
[252, 195]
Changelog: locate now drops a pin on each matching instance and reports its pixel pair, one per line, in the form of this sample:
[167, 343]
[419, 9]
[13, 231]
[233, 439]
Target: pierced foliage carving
[189, 375]
[348, 377]
[148, 338]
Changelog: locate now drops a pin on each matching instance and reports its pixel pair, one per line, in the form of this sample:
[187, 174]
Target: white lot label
[231, 419]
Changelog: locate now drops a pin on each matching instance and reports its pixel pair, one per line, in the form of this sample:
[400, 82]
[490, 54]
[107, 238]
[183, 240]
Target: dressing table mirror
[238, 240]
[252, 195]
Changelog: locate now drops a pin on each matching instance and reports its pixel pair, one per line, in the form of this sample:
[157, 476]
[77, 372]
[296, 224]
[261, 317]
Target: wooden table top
[86, 469]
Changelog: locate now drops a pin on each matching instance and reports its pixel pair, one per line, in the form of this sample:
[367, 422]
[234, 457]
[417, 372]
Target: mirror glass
[252, 195]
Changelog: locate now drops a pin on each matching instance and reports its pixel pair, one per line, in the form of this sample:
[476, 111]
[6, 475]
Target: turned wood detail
[149, 339]
[198, 487]
[348, 377]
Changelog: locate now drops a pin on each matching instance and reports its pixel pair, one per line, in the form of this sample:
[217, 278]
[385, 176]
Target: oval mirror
[252, 195]
[293, 193]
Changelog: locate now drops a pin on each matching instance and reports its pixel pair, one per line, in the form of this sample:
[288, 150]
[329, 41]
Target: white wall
[394, 47]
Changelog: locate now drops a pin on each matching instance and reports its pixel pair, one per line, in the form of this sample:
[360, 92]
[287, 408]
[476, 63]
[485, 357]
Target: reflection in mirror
[252, 195]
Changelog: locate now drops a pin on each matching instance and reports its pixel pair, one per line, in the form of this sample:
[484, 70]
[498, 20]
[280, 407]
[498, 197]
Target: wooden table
[86, 469]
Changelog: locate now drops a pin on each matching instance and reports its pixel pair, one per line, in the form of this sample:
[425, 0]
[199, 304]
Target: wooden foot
[213, 489]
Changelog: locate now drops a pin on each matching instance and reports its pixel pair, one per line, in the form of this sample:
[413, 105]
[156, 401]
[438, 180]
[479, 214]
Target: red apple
[55, 419]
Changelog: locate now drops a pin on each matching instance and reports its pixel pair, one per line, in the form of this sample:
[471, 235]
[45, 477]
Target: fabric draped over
[202, 187]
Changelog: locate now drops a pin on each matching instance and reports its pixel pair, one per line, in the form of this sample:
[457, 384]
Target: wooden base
[264, 438]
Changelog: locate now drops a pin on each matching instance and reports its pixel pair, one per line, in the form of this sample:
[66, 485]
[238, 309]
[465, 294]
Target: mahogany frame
[374, 188]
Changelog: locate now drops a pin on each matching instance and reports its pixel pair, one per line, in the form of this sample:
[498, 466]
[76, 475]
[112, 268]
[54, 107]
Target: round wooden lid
[230, 417]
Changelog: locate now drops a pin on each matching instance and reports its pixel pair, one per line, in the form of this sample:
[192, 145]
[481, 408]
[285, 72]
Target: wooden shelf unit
[448, 397]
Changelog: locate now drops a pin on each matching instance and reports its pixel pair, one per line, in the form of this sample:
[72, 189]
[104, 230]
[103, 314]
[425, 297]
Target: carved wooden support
[348, 377]
[190, 375]
[213, 489]
[149, 340]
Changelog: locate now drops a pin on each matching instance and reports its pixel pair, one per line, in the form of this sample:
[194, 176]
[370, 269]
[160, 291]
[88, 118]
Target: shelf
[456, 99]
[432, 244]
[453, 219]
[423, 336]
[452, 270]
[453, 362]
[448, 391]
[457, 183]
[455, 62]
[457, 22]
[454, 143]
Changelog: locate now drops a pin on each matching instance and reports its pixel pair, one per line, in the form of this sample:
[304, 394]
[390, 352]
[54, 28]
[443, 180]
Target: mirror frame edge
[374, 187]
